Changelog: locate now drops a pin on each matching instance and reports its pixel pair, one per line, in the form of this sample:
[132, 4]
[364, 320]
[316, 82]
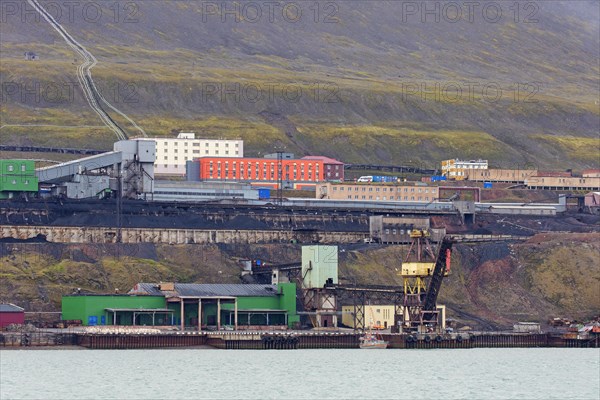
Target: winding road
[84, 75]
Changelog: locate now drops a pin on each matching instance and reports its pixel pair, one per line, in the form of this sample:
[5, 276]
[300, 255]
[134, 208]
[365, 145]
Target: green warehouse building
[189, 306]
[17, 176]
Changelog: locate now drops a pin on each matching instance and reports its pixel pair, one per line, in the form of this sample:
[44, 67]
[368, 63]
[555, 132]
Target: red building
[11, 314]
[296, 173]
[333, 169]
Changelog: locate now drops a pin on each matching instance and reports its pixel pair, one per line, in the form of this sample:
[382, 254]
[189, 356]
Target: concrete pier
[280, 340]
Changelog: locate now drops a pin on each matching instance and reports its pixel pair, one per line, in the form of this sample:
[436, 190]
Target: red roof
[591, 172]
[554, 174]
[326, 160]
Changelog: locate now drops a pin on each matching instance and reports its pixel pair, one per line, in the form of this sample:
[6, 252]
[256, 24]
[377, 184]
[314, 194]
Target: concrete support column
[218, 314]
[235, 313]
[199, 315]
[182, 314]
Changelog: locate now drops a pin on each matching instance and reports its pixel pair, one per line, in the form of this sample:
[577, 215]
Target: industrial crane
[423, 272]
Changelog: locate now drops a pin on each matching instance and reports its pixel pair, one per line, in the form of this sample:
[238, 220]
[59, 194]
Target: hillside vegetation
[490, 284]
[361, 81]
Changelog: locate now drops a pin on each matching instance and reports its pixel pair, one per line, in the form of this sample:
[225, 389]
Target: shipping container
[384, 179]
[264, 194]
[487, 185]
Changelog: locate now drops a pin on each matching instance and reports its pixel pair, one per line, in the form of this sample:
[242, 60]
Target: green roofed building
[188, 305]
[17, 176]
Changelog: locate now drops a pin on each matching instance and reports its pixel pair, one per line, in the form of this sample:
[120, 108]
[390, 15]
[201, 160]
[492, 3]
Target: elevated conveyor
[64, 172]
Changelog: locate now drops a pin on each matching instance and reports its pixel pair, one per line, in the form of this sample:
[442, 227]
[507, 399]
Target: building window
[195, 144]
[387, 231]
[14, 182]
[196, 151]
[11, 168]
[205, 151]
[175, 150]
[175, 158]
[393, 231]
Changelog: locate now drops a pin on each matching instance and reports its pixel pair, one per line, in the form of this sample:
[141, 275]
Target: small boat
[370, 341]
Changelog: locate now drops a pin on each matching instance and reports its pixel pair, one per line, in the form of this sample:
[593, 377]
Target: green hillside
[381, 85]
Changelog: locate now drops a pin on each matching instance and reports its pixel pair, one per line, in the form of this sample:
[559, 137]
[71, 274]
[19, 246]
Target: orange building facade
[296, 173]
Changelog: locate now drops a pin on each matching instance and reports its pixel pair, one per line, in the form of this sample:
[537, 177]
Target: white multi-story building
[458, 169]
[173, 153]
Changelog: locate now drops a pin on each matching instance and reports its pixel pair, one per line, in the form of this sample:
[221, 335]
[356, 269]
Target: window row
[396, 198]
[378, 189]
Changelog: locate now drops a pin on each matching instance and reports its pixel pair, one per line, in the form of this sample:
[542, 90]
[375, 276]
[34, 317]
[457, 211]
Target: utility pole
[279, 178]
[119, 210]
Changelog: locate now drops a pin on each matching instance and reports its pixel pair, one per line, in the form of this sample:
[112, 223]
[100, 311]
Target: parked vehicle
[377, 179]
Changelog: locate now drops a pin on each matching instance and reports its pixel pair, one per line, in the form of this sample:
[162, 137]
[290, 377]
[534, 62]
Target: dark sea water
[300, 374]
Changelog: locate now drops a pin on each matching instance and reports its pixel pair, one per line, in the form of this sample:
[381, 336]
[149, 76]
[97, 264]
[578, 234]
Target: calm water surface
[300, 374]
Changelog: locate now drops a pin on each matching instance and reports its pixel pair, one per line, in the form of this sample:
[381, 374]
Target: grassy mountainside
[380, 84]
[490, 285]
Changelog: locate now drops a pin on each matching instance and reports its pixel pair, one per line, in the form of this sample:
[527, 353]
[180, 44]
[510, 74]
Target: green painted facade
[91, 309]
[17, 176]
[286, 300]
